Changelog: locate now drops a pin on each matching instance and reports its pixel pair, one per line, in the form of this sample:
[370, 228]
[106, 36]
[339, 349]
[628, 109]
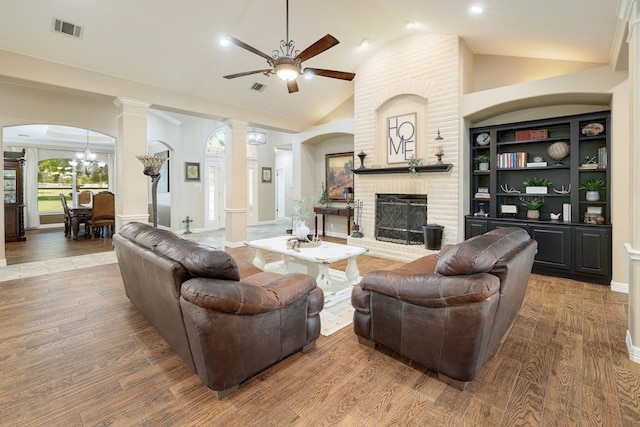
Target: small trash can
[432, 236]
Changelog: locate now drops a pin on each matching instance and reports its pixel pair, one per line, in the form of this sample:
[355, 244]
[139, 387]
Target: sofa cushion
[480, 253]
[200, 260]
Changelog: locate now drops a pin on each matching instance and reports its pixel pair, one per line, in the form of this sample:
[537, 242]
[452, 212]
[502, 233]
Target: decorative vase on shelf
[533, 214]
[592, 196]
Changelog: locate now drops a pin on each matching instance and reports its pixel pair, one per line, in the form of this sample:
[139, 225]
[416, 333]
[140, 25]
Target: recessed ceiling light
[224, 41]
[476, 10]
[410, 24]
[364, 42]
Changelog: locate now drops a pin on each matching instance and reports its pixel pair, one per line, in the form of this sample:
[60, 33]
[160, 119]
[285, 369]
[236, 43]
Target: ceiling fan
[286, 62]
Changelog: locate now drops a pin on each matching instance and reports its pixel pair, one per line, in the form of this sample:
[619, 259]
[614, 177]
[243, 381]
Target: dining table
[79, 213]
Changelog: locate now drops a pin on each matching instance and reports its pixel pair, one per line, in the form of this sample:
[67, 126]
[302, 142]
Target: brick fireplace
[428, 84]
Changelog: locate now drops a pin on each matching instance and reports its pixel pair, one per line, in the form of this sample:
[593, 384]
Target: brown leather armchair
[448, 312]
[227, 319]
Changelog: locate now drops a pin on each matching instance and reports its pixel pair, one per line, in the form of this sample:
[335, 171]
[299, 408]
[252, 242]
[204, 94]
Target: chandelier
[256, 138]
[88, 159]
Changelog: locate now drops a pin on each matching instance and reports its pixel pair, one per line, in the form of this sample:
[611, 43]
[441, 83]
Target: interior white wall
[334, 225]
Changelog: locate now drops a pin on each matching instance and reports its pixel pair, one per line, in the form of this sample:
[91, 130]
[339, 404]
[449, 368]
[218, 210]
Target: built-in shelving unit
[567, 151]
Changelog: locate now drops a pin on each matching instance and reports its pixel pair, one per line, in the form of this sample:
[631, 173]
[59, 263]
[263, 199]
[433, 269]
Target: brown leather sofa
[448, 312]
[227, 319]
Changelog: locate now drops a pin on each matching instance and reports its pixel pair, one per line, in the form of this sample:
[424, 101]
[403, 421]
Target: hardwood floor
[75, 352]
[50, 243]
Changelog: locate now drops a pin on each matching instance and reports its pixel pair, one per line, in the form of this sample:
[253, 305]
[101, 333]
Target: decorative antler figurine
[563, 191]
[506, 189]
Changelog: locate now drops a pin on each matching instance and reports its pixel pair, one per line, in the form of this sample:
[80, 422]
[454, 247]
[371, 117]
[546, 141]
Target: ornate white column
[631, 14]
[131, 185]
[235, 165]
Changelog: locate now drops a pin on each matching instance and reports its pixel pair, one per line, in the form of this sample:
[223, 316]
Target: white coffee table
[313, 261]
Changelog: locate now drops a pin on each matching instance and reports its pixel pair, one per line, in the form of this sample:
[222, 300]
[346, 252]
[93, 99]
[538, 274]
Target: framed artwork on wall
[266, 175]
[338, 174]
[191, 171]
[401, 138]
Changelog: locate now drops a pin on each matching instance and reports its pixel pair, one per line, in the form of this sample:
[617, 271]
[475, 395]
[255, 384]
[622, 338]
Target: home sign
[401, 138]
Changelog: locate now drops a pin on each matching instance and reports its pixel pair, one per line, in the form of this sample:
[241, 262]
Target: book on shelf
[588, 166]
[536, 164]
[512, 160]
[482, 196]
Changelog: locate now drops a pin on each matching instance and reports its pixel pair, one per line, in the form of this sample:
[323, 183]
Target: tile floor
[212, 238]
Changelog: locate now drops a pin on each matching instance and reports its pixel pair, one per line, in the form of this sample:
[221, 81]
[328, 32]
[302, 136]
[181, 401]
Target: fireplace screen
[400, 217]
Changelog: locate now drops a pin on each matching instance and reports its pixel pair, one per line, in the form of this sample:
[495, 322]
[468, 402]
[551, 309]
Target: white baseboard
[228, 244]
[45, 226]
[620, 287]
[634, 352]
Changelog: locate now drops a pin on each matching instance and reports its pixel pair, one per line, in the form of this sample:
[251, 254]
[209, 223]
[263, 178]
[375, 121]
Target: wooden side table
[345, 212]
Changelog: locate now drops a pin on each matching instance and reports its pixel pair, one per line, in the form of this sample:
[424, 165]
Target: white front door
[214, 193]
[252, 192]
[280, 189]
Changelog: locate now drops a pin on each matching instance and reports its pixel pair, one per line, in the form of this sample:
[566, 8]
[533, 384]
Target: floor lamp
[152, 166]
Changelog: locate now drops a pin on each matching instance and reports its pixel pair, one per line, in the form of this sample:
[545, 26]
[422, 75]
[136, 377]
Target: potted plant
[593, 187]
[301, 209]
[537, 185]
[324, 197]
[483, 162]
[413, 162]
[533, 205]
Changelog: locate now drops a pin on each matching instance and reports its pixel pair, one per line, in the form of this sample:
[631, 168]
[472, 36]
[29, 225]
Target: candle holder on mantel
[439, 148]
[152, 166]
[362, 155]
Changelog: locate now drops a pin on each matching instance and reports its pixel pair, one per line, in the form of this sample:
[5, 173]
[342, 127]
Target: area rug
[338, 311]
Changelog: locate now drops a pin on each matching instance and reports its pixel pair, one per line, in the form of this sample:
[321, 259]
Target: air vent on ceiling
[258, 87]
[64, 27]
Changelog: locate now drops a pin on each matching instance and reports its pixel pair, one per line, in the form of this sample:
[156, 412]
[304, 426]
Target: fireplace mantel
[442, 167]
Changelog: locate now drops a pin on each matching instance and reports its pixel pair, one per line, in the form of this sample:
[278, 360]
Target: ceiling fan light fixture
[287, 71]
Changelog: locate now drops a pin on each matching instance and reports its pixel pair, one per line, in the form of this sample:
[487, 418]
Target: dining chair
[67, 216]
[103, 213]
[85, 197]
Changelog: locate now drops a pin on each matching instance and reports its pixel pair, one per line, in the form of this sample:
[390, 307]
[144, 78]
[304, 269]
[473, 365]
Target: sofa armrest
[432, 290]
[244, 298]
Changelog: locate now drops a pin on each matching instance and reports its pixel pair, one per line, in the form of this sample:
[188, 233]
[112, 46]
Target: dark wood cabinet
[13, 197]
[554, 246]
[567, 151]
[593, 250]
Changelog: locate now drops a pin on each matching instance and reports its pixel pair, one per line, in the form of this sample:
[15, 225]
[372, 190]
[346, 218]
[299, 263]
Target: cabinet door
[554, 245]
[475, 227]
[593, 249]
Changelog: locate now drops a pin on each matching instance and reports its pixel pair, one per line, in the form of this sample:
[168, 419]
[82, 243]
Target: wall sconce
[439, 148]
[256, 138]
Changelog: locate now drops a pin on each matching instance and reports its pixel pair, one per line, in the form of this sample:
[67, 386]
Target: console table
[346, 212]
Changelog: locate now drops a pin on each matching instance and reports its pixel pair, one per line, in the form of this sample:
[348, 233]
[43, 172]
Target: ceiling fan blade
[292, 85]
[247, 73]
[318, 47]
[249, 48]
[342, 75]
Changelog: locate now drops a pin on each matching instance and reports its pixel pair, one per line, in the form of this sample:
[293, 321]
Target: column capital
[232, 123]
[122, 101]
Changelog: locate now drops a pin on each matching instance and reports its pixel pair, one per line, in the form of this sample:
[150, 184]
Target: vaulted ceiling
[174, 44]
